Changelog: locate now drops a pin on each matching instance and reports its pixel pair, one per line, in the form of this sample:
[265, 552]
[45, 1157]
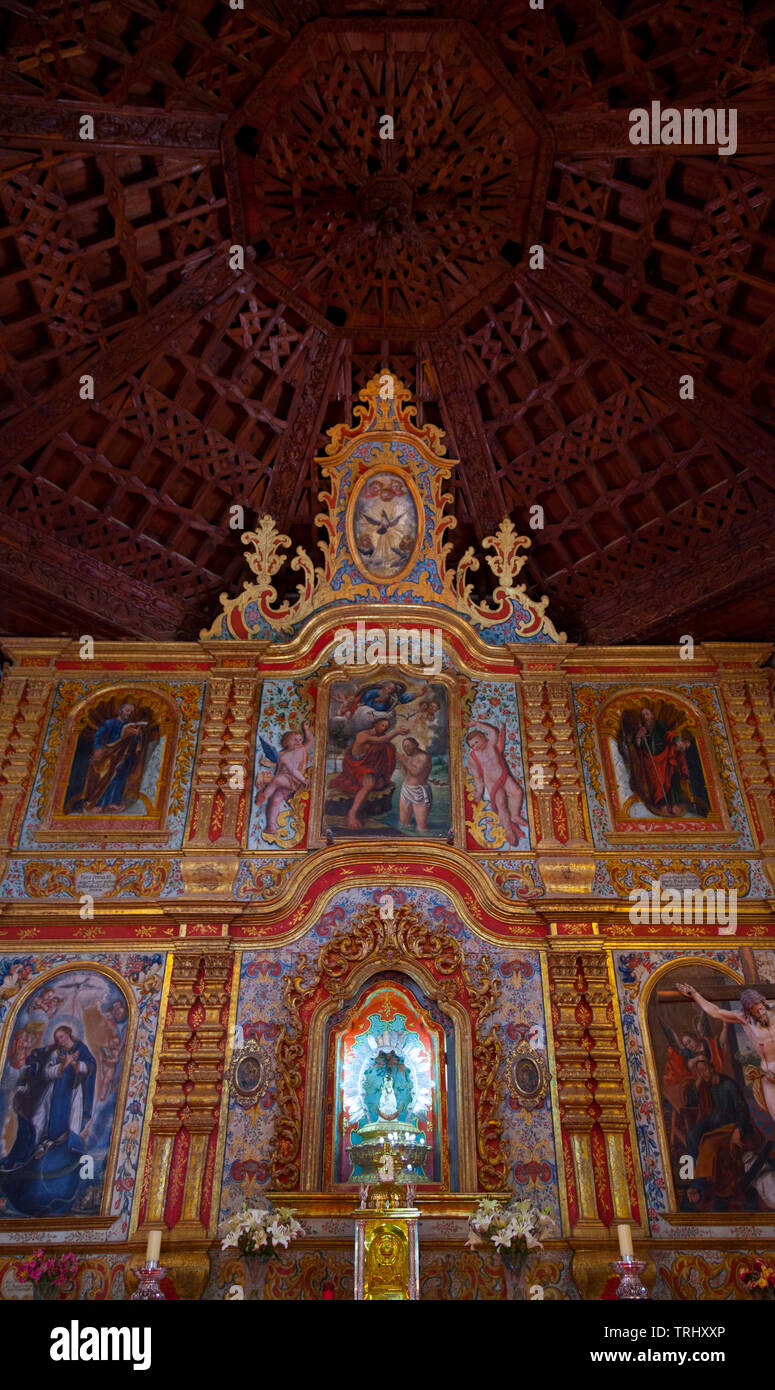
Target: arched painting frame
[112, 782]
[390, 1016]
[100, 1016]
[723, 1184]
[685, 771]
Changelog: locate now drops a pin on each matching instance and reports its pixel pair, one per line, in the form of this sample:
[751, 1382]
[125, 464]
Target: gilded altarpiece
[362, 857]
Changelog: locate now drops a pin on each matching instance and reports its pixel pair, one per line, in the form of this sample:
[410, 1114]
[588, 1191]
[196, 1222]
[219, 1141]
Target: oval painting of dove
[383, 525]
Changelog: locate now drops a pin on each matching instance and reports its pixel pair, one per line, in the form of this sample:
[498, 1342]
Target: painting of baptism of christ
[58, 1096]
[387, 768]
[657, 765]
[713, 1048]
[116, 762]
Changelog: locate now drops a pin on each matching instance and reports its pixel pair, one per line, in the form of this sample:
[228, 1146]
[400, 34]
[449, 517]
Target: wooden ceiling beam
[305, 421]
[739, 559]
[594, 133]
[104, 598]
[477, 474]
[26, 122]
[40, 422]
[659, 371]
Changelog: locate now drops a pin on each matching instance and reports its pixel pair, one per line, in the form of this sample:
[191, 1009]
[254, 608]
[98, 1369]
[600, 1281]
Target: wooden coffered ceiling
[212, 386]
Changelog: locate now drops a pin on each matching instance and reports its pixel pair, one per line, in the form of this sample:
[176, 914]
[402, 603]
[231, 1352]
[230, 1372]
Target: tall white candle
[625, 1242]
[153, 1247]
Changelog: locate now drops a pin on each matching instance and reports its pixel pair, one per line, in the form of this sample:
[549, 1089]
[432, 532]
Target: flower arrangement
[760, 1280]
[49, 1274]
[514, 1230]
[261, 1230]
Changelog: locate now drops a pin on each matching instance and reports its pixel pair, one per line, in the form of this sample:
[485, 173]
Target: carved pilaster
[236, 755]
[200, 1114]
[209, 764]
[170, 1094]
[608, 1080]
[574, 1074]
[539, 755]
[224, 748]
[591, 1091]
[753, 730]
[565, 758]
[551, 742]
[23, 704]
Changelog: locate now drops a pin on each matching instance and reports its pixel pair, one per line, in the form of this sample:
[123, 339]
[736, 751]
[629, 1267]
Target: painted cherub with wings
[290, 771]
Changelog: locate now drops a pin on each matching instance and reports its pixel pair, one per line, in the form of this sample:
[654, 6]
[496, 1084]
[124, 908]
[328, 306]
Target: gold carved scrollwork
[408, 937]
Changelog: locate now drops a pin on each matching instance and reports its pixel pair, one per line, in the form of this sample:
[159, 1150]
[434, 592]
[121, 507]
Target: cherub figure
[290, 772]
[492, 774]
[47, 1001]
[421, 724]
[110, 1054]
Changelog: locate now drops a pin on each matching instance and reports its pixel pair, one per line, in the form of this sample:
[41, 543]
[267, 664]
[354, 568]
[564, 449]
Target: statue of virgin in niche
[386, 1087]
[388, 1105]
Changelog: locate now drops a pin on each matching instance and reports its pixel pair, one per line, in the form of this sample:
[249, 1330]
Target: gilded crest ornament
[385, 518]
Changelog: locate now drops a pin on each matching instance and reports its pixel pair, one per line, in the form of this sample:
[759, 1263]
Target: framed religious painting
[659, 768]
[385, 768]
[115, 765]
[248, 1074]
[64, 1070]
[708, 1038]
[385, 524]
[527, 1076]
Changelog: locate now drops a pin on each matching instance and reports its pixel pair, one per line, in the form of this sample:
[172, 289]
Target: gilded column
[209, 764]
[205, 1072]
[753, 728]
[574, 1087]
[566, 764]
[540, 756]
[23, 705]
[170, 1093]
[610, 1088]
[236, 757]
[595, 1121]
[184, 1124]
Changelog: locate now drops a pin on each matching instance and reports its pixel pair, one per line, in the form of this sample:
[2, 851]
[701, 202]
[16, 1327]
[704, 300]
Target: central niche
[387, 1075]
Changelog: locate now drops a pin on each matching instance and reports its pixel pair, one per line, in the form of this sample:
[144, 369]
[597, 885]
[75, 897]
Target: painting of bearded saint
[58, 1095]
[116, 762]
[713, 1043]
[657, 764]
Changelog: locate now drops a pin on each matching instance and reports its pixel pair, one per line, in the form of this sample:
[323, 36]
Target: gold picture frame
[317, 835]
[527, 1076]
[607, 720]
[57, 826]
[411, 487]
[246, 1088]
[672, 1214]
[72, 1221]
